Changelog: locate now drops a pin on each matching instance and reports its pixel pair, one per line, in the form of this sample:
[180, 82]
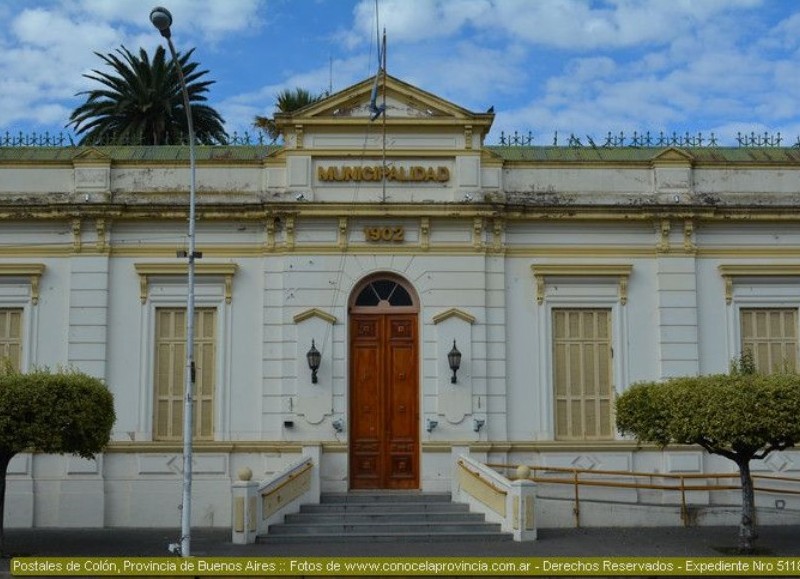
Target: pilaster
[87, 333]
[676, 297]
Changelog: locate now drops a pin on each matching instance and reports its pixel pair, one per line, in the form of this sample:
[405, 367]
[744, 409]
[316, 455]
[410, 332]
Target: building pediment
[673, 156]
[92, 156]
[405, 104]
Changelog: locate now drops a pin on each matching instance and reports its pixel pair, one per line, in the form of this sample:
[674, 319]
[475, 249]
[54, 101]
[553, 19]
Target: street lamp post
[162, 20]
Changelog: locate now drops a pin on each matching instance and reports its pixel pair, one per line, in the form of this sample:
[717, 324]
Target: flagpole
[383, 74]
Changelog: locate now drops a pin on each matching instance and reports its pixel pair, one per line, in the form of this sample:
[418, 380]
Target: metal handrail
[682, 487]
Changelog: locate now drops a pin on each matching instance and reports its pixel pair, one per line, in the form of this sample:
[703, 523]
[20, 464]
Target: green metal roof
[544, 154]
[778, 155]
[165, 153]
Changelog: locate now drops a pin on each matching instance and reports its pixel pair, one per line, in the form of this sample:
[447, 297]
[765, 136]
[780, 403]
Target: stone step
[308, 517]
[383, 528]
[410, 508]
[384, 516]
[384, 497]
[386, 538]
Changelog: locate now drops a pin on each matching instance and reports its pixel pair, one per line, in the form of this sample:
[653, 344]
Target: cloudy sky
[574, 66]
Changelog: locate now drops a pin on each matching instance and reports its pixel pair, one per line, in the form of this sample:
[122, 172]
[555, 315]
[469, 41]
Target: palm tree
[286, 101]
[141, 103]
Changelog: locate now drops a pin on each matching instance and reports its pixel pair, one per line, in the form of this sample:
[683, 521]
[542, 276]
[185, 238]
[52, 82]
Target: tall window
[582, 374]
[770, 335]
[11, 336]
[170, 373]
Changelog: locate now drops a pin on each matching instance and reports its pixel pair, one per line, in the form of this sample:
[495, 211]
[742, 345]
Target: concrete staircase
[384, 516]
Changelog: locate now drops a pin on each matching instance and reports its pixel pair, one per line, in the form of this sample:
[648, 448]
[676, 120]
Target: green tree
[60, 413]
[141, 102]
[741, 416]
[286, 101]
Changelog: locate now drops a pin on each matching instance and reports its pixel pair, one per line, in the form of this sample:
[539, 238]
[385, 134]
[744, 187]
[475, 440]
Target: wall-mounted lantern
[477, 424]
[430, 424]
[314, 358]
[454, 359]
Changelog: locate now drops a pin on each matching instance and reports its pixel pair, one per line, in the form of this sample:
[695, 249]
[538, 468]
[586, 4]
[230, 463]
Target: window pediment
[619, 271]
[454, 313]
[314, 313]
[146, 271]
[763, 270]
[32, 271]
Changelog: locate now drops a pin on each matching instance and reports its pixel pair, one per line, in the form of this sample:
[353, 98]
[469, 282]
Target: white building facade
[562, 275]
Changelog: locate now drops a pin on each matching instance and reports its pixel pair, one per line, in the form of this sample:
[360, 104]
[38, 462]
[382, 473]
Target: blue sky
[574, 66]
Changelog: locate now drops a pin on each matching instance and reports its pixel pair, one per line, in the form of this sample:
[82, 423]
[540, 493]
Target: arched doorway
[384, 385]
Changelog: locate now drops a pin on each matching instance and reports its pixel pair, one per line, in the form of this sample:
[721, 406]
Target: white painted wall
[90, 313]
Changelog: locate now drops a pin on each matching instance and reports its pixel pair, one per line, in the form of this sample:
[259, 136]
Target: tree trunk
[747, 527]
[4, 460]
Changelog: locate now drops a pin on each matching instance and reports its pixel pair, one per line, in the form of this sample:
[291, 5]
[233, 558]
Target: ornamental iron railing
[516, 139]
[34, 139]
[47, 139]
[637, 139]
[647, 139]
[765, 140]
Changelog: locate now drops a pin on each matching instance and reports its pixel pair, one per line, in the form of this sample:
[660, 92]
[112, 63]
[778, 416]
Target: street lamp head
[161, 19]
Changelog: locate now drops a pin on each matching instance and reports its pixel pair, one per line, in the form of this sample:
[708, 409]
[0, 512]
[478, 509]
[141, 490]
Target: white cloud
[210, 19]
[408, 21]
[579, 25]
[47, 48]
[46, 29]
[42, 60]
[564, 24]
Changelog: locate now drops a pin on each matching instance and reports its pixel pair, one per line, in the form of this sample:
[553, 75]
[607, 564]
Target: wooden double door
[384, 401]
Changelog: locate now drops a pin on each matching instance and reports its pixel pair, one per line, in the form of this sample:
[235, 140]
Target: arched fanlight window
[383, 293]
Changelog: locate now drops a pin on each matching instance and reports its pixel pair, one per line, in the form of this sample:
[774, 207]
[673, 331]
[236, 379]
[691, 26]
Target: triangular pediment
[454, 313]
[403, 102]
[91, 156]
[314, 313]
[673, 156]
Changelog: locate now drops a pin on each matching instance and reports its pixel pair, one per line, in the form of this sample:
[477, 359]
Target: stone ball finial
[523, 471]
[245, 474]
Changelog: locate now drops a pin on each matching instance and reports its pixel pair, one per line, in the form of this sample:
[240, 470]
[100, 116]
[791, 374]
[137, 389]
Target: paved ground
[665, 542]
[661, 541]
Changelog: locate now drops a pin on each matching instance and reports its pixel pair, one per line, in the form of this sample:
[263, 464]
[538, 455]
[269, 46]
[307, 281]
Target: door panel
[384, 429]
[365, 405]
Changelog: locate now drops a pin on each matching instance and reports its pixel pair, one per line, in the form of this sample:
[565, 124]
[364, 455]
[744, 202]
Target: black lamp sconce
[454, 359]
[314, 358]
